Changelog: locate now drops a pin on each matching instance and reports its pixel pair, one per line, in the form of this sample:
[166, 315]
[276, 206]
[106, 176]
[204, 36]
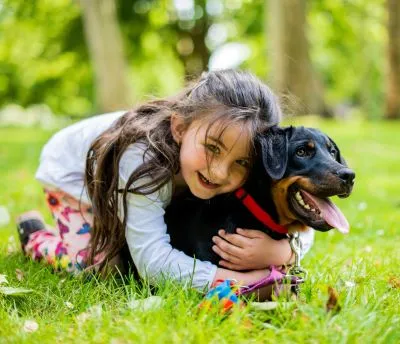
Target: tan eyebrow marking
[310, 144]
[328, 144]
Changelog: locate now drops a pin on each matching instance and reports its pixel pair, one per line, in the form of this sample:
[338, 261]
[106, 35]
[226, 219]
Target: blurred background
[63, 59]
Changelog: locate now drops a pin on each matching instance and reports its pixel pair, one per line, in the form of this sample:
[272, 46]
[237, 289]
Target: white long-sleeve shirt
[62, 164]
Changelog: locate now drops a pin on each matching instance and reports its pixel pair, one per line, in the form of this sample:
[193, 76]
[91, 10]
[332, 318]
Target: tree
[393, 76]
[291, 71]
[106, 50]
[192, 27]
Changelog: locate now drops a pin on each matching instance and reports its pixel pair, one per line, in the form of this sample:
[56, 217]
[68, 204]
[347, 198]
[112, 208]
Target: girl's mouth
[205, 182]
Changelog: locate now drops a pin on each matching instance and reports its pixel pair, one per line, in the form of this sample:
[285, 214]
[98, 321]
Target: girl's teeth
[205, 179]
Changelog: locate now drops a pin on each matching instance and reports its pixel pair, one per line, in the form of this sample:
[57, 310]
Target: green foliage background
[43, 55]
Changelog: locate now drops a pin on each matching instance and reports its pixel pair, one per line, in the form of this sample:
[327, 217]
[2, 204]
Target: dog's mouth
[318, 213]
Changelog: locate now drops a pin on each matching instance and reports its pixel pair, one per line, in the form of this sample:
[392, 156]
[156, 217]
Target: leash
[296, 270]
[227, 292]
[259, 213]
[295, 276]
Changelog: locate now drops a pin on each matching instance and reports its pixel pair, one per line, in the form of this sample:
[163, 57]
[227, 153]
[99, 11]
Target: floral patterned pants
[65, 247]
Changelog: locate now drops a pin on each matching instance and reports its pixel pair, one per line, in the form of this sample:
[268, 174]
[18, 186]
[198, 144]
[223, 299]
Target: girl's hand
[249, 249]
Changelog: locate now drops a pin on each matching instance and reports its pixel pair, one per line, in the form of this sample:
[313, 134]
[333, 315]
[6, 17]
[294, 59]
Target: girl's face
[215, 164]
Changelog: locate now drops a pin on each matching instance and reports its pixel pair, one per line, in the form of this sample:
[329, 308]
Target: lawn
[363, 267]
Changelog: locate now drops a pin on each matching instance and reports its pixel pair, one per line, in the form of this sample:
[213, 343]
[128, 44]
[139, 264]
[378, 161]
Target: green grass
[359, 266]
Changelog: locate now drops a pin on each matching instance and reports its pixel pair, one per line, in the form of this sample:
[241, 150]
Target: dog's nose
[347, 175]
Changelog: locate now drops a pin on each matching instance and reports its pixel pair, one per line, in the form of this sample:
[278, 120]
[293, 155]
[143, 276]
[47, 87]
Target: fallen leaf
[348, 262]
[305, 318]
[362, 206]
[151, 302]
[30, 326]
[69, 305]
[14, 291]
[368, 249]
[3, 279]
[394, 282]
[333, 301]
[11, 245]
[349, 284]
[19, 274]
[82, 317]
[378, 263]
[96, 310]
[247, 323]
[4, 216]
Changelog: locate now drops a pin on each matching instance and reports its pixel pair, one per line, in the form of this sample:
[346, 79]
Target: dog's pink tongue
[330, 213]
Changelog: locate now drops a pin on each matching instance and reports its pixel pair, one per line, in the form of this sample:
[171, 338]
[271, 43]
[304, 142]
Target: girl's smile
[206, 183]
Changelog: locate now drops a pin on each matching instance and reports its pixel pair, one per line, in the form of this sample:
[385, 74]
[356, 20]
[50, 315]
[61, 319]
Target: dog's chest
[193, 222]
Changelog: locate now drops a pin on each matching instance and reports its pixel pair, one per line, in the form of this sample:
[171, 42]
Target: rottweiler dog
[296, 170]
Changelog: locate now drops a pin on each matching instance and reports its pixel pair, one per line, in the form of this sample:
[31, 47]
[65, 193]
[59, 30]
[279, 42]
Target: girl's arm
[147, 237]
[243, 278]
[252, 249]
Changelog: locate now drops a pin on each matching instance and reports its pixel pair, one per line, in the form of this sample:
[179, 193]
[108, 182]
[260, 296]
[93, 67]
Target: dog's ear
[339, 157]
[274, 150]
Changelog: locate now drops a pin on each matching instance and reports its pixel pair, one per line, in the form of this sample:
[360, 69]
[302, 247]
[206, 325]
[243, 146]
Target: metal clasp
[296, 270]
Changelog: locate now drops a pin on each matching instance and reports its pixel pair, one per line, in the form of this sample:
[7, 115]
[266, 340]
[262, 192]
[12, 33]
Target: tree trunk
[196, 59]
[291, 71]
[393, 76]
[107, 54]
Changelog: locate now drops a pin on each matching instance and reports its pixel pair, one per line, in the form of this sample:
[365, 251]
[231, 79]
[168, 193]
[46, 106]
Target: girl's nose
[220, 172]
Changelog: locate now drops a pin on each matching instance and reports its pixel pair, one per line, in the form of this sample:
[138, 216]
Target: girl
[108, 179]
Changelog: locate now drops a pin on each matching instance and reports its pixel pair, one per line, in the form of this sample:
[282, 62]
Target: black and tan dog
[296, 170]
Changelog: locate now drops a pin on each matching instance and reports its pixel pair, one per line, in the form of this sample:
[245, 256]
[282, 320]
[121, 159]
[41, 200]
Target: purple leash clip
[294, 277]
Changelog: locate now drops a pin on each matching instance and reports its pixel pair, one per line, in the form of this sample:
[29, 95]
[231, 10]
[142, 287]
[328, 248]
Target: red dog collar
[260, 214]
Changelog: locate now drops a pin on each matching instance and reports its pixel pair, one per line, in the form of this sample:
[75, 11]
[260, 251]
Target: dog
[296, 170]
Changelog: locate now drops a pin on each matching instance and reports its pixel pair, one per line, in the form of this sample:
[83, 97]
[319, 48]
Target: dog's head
[306, 168]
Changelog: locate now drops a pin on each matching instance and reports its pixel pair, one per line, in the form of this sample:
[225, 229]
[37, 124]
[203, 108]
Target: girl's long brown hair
[221, 96]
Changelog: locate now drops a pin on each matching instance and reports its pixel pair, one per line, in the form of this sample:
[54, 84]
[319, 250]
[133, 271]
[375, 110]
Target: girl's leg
[66, 246]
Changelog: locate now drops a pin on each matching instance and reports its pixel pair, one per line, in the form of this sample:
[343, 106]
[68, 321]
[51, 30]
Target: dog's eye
[333, 153]
[301, 152]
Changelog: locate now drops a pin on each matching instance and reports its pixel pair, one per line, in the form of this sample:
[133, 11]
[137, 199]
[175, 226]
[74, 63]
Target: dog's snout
[347, 175]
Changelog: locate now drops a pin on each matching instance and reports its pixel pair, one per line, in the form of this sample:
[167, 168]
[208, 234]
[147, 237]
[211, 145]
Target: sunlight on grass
[363, 266]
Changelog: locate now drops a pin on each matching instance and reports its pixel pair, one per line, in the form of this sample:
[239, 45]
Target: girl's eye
[213, 148]
[244, 163]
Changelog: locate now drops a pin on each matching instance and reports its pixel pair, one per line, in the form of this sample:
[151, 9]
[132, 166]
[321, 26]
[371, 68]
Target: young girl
[108, 179]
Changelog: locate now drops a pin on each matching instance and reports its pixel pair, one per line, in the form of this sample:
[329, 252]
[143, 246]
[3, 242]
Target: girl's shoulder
[94, 124]
[80, 135]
